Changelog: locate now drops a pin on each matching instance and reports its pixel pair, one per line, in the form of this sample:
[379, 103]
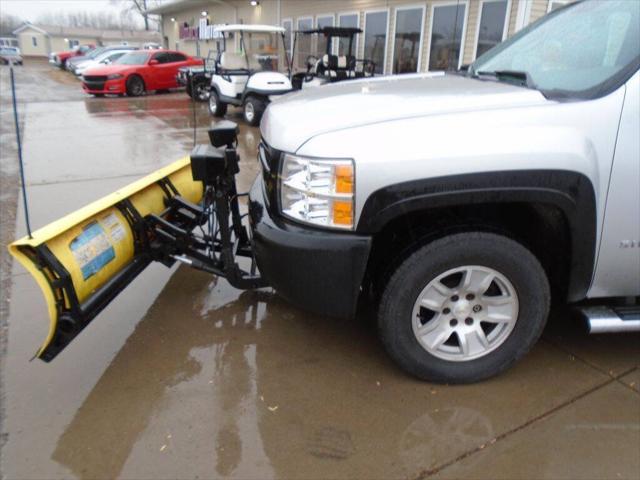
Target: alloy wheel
[465, 313]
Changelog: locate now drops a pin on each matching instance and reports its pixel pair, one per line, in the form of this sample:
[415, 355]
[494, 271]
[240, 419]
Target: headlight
[319, 192]
[114, 76]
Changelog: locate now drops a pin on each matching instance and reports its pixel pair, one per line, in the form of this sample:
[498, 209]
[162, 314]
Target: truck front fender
[571, 192]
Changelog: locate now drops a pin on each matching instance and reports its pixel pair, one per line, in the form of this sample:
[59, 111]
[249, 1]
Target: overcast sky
[31, 9]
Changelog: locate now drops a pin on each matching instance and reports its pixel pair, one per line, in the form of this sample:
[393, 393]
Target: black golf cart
[331, 67]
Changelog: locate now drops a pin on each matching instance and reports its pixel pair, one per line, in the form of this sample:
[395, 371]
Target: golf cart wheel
[135, 86]
[216, 107]
[464, 308]
[200, 91]
[253, 109]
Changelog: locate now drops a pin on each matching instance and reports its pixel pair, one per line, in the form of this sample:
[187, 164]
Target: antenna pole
[22, 180]
[193, 104]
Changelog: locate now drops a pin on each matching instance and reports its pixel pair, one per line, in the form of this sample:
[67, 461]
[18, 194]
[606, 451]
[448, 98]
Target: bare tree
[139, 7]
[99, 20]
[8, 23]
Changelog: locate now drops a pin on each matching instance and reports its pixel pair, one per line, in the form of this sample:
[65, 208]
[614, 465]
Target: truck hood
[295, 118]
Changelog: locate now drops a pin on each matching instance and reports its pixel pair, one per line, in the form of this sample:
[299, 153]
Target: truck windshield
[134, 58]
[265, 51]
[580, 51]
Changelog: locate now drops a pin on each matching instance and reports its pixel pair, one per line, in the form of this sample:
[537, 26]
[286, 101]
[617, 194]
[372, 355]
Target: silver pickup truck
[474, 199]
[458, 206]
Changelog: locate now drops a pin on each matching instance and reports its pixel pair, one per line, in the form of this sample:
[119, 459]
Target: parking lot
[186, 377]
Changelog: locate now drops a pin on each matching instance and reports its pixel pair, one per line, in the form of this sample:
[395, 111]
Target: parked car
[10, 55]
[105, 58]
[91, 55]
[59, 59]
[137, 72]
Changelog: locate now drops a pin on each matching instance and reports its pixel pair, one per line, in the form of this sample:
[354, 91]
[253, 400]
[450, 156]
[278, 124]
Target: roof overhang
[31, 26]
[250, 28]
[180, 5]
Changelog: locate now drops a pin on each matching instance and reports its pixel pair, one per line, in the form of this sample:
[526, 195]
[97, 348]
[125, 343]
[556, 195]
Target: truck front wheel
[464, 308]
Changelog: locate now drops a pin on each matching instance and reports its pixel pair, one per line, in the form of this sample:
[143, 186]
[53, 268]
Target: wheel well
[136, 75]
[540, 227]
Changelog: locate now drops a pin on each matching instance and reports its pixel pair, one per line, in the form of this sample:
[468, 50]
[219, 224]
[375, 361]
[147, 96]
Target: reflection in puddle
[218, 383]
[435, 435]
[172, 347]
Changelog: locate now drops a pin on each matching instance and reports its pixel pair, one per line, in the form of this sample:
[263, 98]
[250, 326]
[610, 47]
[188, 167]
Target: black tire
[63, 65]
[253, 109]
[135, 86]
[201, 91]
[216, 107]
[98, 95]
[497, 252]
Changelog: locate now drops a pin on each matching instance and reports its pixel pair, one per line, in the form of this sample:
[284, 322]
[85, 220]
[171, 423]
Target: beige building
[398, 35]
[41, 40]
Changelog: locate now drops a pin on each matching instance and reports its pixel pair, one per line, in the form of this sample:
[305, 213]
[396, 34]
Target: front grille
[95, 78]
[269, 159]
[95, 82]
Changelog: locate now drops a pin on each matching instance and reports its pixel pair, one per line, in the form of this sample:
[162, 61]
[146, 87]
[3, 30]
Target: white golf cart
[251, 66]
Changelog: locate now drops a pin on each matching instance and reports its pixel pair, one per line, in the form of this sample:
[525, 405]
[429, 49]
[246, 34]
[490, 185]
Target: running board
[601, 319]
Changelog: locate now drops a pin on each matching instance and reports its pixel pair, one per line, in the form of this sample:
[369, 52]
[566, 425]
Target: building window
[492, 25]
[287, 24]
[303, 47]
[447, 28]
[321, 22]
[375, 38]
[553, 4]
[348, 20]
[34, 41]
[407, 41]
[73, 43]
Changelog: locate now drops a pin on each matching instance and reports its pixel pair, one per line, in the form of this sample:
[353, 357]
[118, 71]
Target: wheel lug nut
[468, 321]
[446, 311]
[455, 298]
[453, 322]
[470, 296]
[477, 308]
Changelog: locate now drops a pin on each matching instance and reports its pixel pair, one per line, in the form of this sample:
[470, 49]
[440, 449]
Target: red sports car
[137, 72]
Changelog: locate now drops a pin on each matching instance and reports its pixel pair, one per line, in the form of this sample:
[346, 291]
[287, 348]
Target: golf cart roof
[333, 31]
[250, 28]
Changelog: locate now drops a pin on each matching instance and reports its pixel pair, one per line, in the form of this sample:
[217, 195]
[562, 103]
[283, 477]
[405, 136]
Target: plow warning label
[92, 249]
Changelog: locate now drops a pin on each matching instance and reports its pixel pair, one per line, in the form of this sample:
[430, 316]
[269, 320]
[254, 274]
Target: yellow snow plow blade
[82, 261]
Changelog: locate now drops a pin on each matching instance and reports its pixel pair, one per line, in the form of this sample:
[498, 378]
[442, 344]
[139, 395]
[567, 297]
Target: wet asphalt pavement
[185, 377]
